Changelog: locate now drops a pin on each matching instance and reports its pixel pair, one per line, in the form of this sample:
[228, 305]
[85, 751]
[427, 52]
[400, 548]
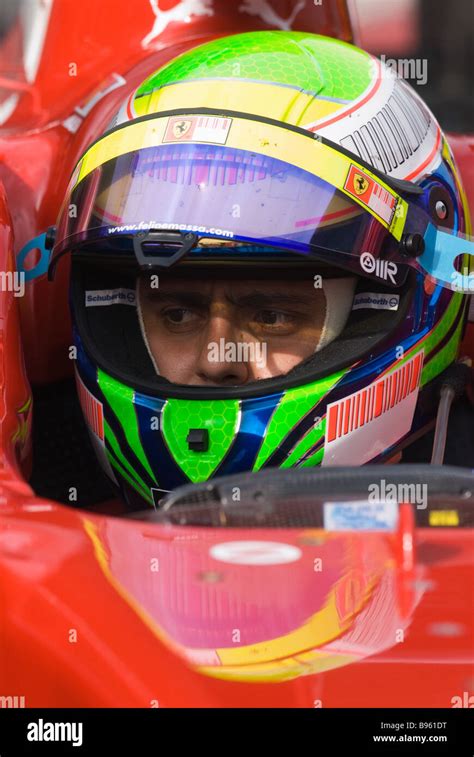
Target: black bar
[313, 731]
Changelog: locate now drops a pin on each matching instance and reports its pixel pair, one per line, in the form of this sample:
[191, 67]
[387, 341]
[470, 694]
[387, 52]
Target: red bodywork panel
[120, 613]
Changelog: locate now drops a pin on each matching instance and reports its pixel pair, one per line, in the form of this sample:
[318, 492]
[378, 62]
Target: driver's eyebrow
[186, 298]
[266, 298]
[255, 298]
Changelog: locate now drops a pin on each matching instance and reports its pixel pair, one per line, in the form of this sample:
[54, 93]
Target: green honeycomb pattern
[294, 404]
[220, 417]
[316, 64]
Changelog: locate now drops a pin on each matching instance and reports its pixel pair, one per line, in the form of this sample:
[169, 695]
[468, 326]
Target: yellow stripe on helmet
[282, 103]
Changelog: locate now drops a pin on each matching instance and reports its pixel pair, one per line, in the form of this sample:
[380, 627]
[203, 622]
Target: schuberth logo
[376, 301]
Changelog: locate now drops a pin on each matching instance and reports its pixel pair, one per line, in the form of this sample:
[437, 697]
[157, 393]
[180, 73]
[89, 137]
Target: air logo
[383, 269]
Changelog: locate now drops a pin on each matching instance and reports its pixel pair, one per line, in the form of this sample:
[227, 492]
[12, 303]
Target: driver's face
[213, 332]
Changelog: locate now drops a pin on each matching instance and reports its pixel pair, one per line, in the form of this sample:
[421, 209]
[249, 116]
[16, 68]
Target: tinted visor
[223, 194]
[253, 182]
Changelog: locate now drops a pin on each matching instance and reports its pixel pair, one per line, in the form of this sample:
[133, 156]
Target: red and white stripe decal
[93, 409]
[382, 202]
[353, 412]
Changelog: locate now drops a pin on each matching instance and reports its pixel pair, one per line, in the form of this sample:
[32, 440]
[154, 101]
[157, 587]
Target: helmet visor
[222, 194]
[321, 204]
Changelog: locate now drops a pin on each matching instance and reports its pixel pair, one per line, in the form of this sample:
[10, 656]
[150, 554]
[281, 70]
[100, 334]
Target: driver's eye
[272, 317]
[181, 319]
[277, 322]
[178, 315]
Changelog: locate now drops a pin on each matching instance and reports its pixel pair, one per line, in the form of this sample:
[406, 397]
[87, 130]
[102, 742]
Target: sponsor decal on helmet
[371, 193]
[376, 301]
[212, 129]
[384, 269]
[357, 428]
[360, 183]
[171, 226]
[96, 297]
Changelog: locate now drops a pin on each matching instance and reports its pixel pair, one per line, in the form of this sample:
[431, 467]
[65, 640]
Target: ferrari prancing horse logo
[360, 183]
[180, 128]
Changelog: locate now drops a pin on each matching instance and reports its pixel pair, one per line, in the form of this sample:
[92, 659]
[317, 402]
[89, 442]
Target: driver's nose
[218, 362]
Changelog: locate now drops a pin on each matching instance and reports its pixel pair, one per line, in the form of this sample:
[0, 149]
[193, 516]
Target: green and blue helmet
[278, 154]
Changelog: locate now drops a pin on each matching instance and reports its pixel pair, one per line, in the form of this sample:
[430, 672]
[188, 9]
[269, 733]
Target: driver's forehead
[238, 286]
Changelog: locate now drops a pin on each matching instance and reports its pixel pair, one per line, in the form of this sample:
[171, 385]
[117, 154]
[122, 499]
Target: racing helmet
[267, 155]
